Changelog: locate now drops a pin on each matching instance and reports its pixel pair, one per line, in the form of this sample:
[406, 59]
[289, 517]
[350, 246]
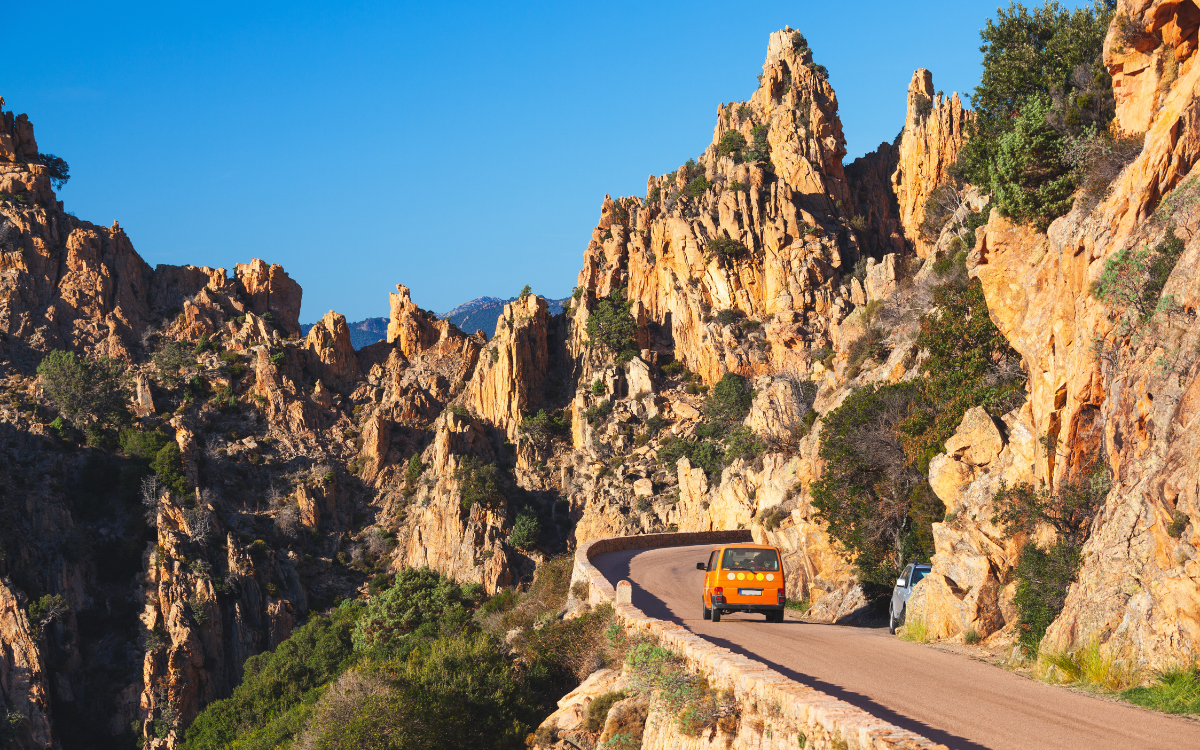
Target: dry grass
[1087, 666]
[915, 631]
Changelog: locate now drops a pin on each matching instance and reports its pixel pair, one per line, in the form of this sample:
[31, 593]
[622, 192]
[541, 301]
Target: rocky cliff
[290, 472]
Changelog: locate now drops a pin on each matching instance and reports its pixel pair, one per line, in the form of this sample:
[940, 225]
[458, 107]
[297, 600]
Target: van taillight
[718, 591]
[782, 597]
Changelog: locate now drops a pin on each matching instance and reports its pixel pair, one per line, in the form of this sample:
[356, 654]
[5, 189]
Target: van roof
[746, 545]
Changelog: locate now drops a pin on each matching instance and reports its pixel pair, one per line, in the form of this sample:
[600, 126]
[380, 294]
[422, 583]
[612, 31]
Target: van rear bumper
[727, 607]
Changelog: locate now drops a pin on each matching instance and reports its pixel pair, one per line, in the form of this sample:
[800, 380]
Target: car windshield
[918, 574]
[751, 559]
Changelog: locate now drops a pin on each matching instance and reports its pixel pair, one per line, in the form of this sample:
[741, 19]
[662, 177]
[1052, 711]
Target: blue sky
[462, 149]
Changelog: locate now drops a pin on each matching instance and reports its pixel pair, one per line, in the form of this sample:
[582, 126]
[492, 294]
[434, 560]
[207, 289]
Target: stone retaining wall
[775, 712]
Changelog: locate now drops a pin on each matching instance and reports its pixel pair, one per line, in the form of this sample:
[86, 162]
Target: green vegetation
[655, 670]
[525, 292]
[57, 168]
[872, 494]
[701, 453]
[732, 143]
[598, 710]
[414, 470]
[697, 187]
[611, 326]
[760, 149]
[420, 666]
[478, 483]
[729, 402]
[1133, 280]
[542, 428]
[723, 247]
[526, 530]
[168, 358]
[725, 408]
[86, 391]
[598, 412]
[1043, 575]
[46, 610]
[168, 466]
[1175, 691]
[420, 605]
[1044, 84]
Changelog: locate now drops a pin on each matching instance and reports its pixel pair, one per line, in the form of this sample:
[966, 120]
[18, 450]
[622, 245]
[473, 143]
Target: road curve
[952, 699]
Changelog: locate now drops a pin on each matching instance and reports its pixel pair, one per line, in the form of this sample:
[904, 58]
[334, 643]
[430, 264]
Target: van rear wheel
[707, 611]
[716, 615]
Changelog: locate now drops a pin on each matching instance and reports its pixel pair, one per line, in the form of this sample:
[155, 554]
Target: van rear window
[765, 560]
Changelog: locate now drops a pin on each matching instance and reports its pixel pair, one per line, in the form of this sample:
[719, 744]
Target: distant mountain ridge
[479, 314]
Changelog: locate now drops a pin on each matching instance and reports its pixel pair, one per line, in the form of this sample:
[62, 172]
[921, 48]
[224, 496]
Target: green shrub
[725, 248]
[144, 445]
[697, 187]
[459, 411]
[1134, 279]
[421, 604]
[1179, 523]
[598, 388]
[1030, 181]
[414, 469]
[46, 610]
[598, 710]
[57, 168]
[84, 390]
[742, 443]
[869, 495]
[526, 530]
[760, 149]
[541, 428]
[598, 412]
[168, 358]
[478, 483]
[701, 453]
[731, 143]
[1044, 575]
[168, 466]
[730, 400]
[454, 692]
[272, 701]
[610, 325]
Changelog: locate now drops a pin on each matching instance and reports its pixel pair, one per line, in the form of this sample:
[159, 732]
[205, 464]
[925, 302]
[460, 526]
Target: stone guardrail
[799, 716]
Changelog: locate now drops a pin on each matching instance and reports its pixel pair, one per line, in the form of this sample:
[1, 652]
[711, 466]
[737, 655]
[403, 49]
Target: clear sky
[462, 149]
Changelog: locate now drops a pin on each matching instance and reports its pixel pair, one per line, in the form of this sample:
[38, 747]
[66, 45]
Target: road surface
[949, 698]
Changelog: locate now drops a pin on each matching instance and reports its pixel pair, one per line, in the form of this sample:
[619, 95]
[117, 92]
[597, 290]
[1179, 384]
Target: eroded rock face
[268, 288]
[935, 129]
[1135, 596]
[795, 239]
[511, 377]
[968, 587]
[329, 343]
[23, 685]
[410, 327]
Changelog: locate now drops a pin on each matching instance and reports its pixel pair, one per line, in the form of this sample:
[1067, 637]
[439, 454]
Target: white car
[904, 586]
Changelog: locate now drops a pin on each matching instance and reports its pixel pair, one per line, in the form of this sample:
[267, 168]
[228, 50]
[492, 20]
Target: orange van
[743, 578]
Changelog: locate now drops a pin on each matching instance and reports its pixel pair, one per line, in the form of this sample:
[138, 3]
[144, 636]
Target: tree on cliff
[59, 171]
[84, 390]
[1043, 84]
[610, 325]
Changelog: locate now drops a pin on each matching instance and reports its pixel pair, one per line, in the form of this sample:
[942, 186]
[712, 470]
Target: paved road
[946, 697]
